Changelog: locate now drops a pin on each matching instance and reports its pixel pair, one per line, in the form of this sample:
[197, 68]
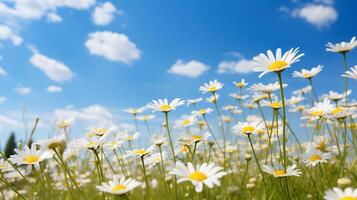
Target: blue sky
[148, 38]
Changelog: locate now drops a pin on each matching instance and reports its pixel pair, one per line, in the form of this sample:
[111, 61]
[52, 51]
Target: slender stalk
[169, 135]
[257, 161]
[284, 119]
[194, 151]
[313, 89]
[345, 78]
[146, 178]
[11, 186]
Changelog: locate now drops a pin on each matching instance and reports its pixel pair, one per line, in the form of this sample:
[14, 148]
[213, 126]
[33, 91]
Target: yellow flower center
[336, 110]
[130, 137]
[317, 113]
[278, 65]
[184, 149]
[90, 144]
[118, 188]
[275, 105]
[186, 122]
[140, 152]
[348, 198]
[212, 89]
[197, 176]
[196, 138]
[165, 108]
[202, 111]
[248, 129]
[31, 159]
[279, 172]
[306, 75]
[240, 84]
[321, 146]
[315, 157]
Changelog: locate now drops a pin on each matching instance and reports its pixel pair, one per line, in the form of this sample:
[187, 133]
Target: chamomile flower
[308, 74]
[208, 174]
[186, 121]
[193, 101]
[334, 96]
[314, 157]
[339, 194]
[4, 166]
[275, 63]
[212, 86]
[198, 137]
[351, 74]
[240, 84]
[279, 172]
[134, 111]
[303, 91]
[64, 124]
[321, 109]
[92, 143]
[140, 152]
[342, 47]
[119, 185]
[56, 143]
[295, 100]
[145, 117]
[212, 98]
[269, 88]
[247, 127]
[201, 112]
[163, 105]
[30, 156]
[158, 140]
[129, 137]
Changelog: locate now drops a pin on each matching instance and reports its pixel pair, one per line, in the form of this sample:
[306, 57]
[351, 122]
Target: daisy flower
[269, 88]
[212, 98]
[164, 106]
[30, 156]
[303, 91]
[129, 137]
[186, 121]
[4, 166]
[351, 74]
[339, 194]
[321, 109]
[307, 74]
[295, 100]
[247, 127]
[280, 172]
[212, 86]
[202, 112]
[119, 185]
[158, 140]
[238, 97]
[134, 111]
[140, 152]
[342, 47]
[207, 174]
[314, 157]
[93, 142]
[334, 96]
[240, 84]
[278, 63]
[199, 137]
[64, 124]
[193, 101]
[145, 117]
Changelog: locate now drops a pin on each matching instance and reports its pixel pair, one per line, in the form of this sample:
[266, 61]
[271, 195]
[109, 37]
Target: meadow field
[247, 150]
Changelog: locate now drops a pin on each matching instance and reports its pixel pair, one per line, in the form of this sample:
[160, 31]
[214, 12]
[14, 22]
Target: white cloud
[190, 69]
[7, 121]
[2, 99]
[23, 90]
[112, 46]
[3, 72]
[92, 114]
[54, 18]
[6, 33]
[103, 14]
[54, 88]
[318, 15]
[55, 70]
[240, 67]
[36, 9]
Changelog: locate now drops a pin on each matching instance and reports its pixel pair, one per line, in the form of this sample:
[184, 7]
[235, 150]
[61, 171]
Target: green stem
[284, 119]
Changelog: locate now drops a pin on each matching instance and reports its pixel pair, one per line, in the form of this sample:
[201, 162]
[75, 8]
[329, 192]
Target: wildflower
[313, 158]
[334, 96]
[248, 127]
[193, 101]
[4, 166]
[212, 98]
[344, 182]
[145, 117]
[342, 47]
[351, 74]
[56, 144]
[158, 140]
[295, 100]
[30, 156]
[201, 112]
[92, 143]
[140, 152]
[280, 172]
[240, 84]
[119, 185]
[308, 74]
[302, 91]
[129, 137]
[339, 194]
[64, 124]
[164, 106]
[199, 137]
[269, 88]
[212, 86]
[277, 63]
[207, 174]
[134, 111]
[321, 109]
[185, 121]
